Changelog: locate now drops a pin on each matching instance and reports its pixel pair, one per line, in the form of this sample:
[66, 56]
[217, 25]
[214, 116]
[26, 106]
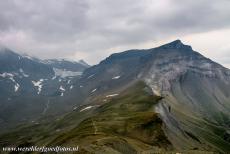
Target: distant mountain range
[165, 99]
[28, 86]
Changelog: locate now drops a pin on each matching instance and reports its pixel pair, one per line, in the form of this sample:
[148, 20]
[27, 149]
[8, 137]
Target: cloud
[92, 29]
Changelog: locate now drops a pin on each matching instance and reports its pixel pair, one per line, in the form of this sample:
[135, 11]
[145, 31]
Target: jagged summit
[83, 63]
[177, 44]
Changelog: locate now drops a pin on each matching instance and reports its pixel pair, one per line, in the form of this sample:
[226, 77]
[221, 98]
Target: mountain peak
[83, 63]
[6, 51]
[177, 44]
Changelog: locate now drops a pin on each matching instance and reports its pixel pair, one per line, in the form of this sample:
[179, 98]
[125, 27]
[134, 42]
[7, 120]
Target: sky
[94, 29]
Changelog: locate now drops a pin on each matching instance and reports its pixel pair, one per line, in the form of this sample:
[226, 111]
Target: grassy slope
[194, 107]
[124, 124]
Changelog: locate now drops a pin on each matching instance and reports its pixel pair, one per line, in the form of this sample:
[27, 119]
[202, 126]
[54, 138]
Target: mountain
[29, 86]
[195, 89]
[165, 99]
[67, 64]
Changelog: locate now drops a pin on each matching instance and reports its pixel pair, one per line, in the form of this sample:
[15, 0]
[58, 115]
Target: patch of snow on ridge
[64, 73]
[23, 73]
[5, 74]
[75, 108]
[71, 87]
[28, 57]
[93, 90]
[116, 77]
[38, 84]
[11, 77]
[112, 95]
[61, 88]
[88, 107]
[16, 87]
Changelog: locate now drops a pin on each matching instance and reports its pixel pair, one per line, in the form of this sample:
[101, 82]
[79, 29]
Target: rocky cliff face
[196, 95]
[171, 61]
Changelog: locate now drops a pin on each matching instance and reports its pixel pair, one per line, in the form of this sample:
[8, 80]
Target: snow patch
[71, 87]
[64, 73]
[23, 73]
[116, 77]
[112, 95]
[38, 84]
[54, 77]
[11, 77]
[28, 57]
[16, 87]
[86, 108]
[61, 88]
[75, 108]
[93, 90]
[5, 74]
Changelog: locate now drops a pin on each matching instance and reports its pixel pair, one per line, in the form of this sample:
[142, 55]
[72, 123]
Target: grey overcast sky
[93, 29]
